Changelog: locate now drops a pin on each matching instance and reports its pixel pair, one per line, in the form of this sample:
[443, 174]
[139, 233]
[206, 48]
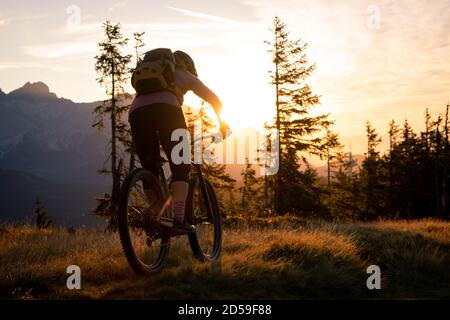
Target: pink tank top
[186, 82]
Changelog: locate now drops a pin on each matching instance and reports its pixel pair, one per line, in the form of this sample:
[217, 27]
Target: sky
[376, 60]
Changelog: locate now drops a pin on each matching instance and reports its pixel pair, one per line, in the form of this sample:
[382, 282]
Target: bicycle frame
[197, 171]
[168, 222]
[199, 174]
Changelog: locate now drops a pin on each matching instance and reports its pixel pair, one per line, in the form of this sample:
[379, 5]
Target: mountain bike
[145, 219]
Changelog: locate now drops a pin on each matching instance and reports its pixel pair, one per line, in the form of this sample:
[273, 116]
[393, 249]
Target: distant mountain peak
[36, 89]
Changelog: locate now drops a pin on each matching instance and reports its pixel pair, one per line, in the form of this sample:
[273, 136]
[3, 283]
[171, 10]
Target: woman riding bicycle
[156, 112]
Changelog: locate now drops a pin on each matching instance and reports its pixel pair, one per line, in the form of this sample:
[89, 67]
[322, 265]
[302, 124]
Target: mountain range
[48, 149]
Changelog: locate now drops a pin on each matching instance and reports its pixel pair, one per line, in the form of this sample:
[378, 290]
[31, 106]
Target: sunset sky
[376, 60]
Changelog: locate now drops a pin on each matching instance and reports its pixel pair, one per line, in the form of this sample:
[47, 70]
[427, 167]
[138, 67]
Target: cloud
[117, 6]
[211, 22]
[50, 66]
[4, 20]
[206, 16]
[23, 18]
[167, 27]
[94, 28]
[258, 3]
[61, 50]
[83, 28]
[16, 65]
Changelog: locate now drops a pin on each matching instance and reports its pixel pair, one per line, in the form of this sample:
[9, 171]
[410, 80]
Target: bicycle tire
[196, 247]
[124, 227]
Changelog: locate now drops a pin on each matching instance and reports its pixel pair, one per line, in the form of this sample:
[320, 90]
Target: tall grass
[289, 261]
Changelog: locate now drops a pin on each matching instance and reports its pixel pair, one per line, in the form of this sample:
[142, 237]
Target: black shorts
[152, 126]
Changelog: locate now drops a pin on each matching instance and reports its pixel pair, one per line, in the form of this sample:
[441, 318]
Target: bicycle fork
[208, 204]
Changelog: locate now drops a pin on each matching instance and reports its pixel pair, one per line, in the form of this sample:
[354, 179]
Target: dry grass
[317, 260]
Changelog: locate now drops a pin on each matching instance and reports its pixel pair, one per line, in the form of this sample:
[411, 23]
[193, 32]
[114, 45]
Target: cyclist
[154, 116]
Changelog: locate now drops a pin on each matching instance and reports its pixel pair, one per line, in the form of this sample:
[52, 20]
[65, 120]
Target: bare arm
[202, 91]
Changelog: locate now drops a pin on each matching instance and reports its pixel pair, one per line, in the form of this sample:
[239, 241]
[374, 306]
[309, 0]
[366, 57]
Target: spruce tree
[249, 189]
[331, 147]
[138, 45]
[41, 219]
[112, 65]
[370, 166]
[299, 131]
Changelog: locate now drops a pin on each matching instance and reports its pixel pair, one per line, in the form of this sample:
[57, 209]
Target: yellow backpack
[156, 72]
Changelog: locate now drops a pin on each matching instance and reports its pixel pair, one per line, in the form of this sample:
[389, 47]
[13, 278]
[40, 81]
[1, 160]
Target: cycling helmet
[185, 62]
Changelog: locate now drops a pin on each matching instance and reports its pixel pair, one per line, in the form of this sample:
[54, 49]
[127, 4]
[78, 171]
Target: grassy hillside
[313, 261]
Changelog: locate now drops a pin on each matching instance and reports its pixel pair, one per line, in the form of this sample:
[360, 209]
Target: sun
[239, 109]
[246, 105]
[240, 112]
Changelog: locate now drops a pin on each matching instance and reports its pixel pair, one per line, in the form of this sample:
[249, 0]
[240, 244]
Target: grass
[310, 261]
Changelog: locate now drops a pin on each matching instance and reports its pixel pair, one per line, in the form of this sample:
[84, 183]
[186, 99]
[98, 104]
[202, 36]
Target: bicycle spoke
[145, 245]
[205, 237]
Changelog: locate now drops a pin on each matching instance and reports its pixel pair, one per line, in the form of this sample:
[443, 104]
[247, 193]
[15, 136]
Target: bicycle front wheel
[202, 211]
[144, 243]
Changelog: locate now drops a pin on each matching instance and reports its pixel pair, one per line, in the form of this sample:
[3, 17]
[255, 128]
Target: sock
[179, 193]
[178, 211]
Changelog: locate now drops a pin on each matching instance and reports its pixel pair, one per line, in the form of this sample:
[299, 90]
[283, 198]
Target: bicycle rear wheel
[144, 242]
[207, 239]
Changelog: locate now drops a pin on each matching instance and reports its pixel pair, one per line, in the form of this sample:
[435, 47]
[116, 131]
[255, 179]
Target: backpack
[156, 72]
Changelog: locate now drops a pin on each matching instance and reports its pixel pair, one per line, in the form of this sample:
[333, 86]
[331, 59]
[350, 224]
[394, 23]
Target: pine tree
[346, 198]
[370, 166]
[298, 129]
[265, 153]
[427, 131]
[41, 219]
[249, 189]
[113, 69]
[392, 161]
[438, 166]
[138, 45]
[331, 148]
[445, 177]
[408, 147]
